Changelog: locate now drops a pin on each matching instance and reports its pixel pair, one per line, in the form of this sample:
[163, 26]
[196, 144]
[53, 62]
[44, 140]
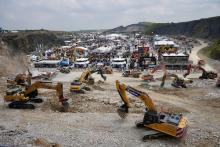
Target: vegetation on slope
[213, 51]
[27, 41]
[208, 28]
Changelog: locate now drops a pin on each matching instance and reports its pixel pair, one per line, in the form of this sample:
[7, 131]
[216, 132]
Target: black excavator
[205, 74]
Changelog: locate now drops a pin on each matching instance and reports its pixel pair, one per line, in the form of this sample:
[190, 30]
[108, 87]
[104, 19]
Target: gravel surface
[92, 120]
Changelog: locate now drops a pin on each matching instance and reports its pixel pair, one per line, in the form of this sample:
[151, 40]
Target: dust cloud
[11, 64]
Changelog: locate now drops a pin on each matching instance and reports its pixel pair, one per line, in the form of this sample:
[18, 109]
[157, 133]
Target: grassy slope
[213, 51]
[208, 28]
[27, 41]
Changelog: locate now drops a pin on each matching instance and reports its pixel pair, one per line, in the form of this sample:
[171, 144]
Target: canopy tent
[103, 49]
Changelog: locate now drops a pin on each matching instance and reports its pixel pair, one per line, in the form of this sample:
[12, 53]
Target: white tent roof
[173, 54]
[81, 47]
[103, 49]
[164, 42]
[64, 47]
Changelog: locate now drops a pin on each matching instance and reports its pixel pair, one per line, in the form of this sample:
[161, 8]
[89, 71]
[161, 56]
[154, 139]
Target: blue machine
[64, 62]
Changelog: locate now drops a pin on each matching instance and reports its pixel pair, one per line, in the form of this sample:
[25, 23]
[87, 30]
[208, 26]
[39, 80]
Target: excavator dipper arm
[85, 75]
[48, 85]
[123, 109]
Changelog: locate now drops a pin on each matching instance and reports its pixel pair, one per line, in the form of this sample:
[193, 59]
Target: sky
[72, 15]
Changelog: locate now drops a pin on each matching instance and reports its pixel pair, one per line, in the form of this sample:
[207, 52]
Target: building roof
[103, 49]
[164, 42]
[82, 48]
[47, 62]
[173, 55]
[82, 59]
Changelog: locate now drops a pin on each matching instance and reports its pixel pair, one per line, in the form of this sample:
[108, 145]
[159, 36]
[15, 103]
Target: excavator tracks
[20, 105]
[152, 134]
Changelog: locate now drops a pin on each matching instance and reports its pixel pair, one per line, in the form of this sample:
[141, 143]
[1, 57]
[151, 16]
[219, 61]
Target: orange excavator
[21, 99]
[205, 74]
[159, 123]
[149, 77]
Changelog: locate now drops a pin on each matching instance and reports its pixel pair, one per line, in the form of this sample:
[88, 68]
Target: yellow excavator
[159, 123]
[177, 81]
[78, 85]
[21, 99]
[21, 79]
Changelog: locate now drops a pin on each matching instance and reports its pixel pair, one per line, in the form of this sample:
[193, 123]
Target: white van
[118, 62]
[81, 63]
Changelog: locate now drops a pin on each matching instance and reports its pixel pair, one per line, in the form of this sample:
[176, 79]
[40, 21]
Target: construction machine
[131, 73]
[78, 85]
[65, 70]
[160, 123]
[167, 49]
[218, 82]
[205, 74]
[21, 79]
[177, 81]
[107, 70]
[20, 99]
[149, 77]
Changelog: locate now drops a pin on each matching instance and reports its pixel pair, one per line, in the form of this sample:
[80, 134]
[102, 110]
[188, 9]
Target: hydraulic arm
[19, 99]
[161, 123]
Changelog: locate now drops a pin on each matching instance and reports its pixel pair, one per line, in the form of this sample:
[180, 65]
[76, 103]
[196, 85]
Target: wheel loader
[159, 123]
[22, 99]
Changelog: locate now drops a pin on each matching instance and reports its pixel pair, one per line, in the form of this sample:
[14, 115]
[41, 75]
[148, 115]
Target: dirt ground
[93, 121]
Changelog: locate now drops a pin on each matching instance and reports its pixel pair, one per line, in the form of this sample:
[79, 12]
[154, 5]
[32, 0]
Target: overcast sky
[100, 14]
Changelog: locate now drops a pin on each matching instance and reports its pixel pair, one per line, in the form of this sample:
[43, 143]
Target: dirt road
[195, 57]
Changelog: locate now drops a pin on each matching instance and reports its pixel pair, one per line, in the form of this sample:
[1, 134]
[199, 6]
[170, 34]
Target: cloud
[96, 14]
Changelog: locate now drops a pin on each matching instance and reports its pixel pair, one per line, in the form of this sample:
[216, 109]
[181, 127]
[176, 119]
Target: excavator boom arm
[47, 85]
[85, 75]
[122, 88]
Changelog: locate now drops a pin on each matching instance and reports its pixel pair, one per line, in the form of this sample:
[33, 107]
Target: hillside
[213, 51]
[139, 27]
[208, 28]
[27, 41]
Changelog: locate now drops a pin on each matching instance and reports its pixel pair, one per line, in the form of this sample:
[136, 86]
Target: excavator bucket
[122, 111]
[65, 106]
